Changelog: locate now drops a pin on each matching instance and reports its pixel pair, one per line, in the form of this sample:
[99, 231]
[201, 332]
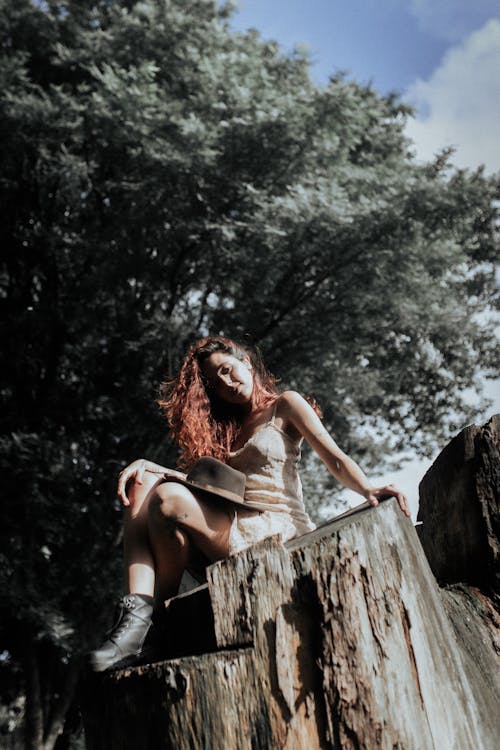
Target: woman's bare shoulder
[291, 400]
[291, 404]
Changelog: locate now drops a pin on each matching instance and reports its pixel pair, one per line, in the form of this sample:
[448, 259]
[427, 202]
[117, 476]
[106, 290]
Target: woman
[224, 404]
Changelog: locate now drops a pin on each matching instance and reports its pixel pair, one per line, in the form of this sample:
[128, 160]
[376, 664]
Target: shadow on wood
[339, 639]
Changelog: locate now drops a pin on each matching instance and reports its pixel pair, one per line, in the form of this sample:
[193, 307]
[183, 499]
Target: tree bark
[33, 723]
[57, 718]
[340, 639]
[460, 509]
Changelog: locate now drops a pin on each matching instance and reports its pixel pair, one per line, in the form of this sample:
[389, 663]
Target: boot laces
[120, 629]
[122, 622]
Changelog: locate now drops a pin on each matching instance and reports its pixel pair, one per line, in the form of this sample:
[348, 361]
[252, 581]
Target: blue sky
[442, 56]
[378, 42]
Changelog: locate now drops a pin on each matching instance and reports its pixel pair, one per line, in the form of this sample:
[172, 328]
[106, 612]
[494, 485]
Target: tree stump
[339, 639]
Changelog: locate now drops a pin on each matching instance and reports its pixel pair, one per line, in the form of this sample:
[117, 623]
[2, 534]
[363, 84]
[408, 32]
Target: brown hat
[213, 476]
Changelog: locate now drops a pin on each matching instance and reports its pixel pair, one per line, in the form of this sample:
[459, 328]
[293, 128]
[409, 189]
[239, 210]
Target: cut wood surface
[341, 639]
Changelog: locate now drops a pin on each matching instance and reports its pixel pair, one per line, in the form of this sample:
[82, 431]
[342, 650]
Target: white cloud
[459, 105]
[453, 19]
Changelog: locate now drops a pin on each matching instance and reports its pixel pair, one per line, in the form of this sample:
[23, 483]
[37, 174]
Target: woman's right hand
[134, 471]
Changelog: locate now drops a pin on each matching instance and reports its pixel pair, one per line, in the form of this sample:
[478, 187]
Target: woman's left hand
[375, 494]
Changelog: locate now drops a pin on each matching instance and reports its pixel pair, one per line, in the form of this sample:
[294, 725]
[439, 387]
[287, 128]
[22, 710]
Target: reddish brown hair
[202, 423]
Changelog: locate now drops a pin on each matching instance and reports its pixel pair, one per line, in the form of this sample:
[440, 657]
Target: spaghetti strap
[271, 421]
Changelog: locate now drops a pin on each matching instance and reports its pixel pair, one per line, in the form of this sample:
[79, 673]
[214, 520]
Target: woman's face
[230, 378]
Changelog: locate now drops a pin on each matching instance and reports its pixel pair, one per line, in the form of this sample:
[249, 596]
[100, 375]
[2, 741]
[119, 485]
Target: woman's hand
[134, 471]
[375, 494]
[174, 473]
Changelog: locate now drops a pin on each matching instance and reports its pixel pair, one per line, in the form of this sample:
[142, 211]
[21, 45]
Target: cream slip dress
[269, 460]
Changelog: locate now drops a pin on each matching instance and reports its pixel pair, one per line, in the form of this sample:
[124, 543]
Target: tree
[163, 177]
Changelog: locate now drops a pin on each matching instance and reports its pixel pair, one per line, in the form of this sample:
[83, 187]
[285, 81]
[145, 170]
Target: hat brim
[216, 492]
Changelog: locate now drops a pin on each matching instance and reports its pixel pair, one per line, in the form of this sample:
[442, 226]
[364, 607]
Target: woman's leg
[179, 522]
[125, 642]
[139, 565]
[163, 525]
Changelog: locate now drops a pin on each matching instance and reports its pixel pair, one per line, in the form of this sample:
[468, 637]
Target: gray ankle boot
[124, 644]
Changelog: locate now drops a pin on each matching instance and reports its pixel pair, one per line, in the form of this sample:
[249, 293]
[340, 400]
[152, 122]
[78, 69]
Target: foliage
[163, 177]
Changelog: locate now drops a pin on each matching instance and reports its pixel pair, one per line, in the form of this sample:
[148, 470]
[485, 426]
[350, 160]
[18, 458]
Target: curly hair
[200, 422]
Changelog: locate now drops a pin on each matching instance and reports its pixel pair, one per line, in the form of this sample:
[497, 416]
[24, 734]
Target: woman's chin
[240, 398]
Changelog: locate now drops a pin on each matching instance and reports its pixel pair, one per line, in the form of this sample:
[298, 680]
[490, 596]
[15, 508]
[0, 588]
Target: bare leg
[179, 521]
[163, 525]
[138, 557]
[125, 642]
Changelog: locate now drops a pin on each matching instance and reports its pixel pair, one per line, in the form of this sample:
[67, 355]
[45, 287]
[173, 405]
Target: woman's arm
[136, 470]
[304, 419]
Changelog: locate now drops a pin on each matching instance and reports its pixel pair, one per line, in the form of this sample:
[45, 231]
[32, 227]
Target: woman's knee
[136, 492]
[171, 501]
[139, 496]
